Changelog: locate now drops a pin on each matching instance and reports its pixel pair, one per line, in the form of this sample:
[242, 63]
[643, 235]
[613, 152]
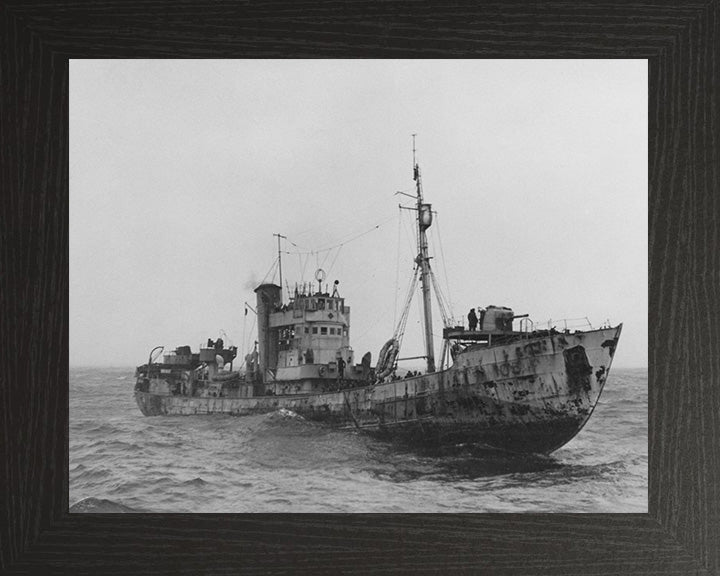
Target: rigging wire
[245, 352]
[440, 297]
[334, 259]
[442, 257]
[302, 273]
[421, 319]
[296, 246]
[410, 230]
[406, 225]
[341, 243]
[400, 329]
[327, 250]
[272, 269]
[397, 266]
[300, 267]
[353, 238]
[327, 253]
[243, 333]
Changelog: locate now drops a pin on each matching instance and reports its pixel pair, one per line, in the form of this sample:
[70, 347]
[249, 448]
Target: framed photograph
[140, 168]
[325, 284]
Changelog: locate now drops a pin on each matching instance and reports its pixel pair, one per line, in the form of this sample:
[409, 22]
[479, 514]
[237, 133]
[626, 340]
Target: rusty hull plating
[528, 395]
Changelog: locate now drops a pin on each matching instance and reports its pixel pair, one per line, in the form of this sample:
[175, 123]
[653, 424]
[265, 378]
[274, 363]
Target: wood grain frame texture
[680, 534]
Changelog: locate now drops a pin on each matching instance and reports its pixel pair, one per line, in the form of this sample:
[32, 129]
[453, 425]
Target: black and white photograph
[358, 286]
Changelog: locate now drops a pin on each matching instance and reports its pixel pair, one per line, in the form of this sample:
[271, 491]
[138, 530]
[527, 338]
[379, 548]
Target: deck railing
[563, 324]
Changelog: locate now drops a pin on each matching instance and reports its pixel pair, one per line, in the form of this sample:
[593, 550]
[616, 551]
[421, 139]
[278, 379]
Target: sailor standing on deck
[472, 319]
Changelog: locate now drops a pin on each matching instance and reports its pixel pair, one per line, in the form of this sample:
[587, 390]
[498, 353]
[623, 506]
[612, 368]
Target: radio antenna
[414, 162]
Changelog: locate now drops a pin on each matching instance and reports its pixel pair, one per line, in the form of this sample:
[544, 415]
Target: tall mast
[424, 219]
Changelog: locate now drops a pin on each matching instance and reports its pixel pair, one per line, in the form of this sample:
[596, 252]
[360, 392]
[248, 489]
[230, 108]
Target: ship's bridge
[312, 329]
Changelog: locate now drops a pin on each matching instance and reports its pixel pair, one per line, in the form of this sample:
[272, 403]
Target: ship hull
[532, 395]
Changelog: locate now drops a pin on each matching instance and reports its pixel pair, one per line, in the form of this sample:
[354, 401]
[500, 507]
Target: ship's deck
[460, 333]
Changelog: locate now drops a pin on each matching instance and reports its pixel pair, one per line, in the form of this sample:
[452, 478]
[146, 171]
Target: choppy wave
[121, 461]
[101, 506]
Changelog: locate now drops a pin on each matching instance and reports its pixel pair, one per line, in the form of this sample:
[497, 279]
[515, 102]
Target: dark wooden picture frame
[681, 532]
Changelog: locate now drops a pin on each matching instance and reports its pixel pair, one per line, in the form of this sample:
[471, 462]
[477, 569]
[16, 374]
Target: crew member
[341, 368]
[472, 319]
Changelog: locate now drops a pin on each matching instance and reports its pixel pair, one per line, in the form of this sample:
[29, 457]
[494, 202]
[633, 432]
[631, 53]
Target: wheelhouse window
[285, 337]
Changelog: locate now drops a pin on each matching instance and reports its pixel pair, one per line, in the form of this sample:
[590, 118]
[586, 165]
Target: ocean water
[123, 461]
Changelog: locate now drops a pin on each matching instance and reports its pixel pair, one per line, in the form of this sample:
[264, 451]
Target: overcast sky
[181, 171]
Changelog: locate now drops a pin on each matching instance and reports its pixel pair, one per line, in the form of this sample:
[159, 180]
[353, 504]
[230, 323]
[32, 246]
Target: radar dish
[319, 274]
